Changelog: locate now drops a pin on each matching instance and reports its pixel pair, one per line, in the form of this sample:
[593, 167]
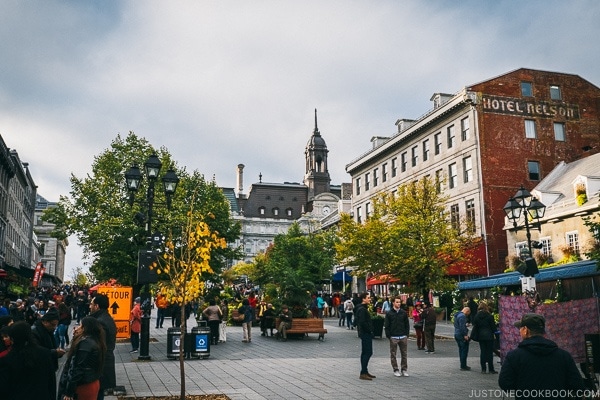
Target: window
[276, 211]
[546, 246]
[394, 167]
[470, 214]
[452, 176]
[403, 162]
[555, 92]
[454, 217]
[357, 186]
[261, 211]
[437, 142]
[534, 170]
[367, 210]
[468, 169]
[451, 136]
[465, 134]
[358, 214]
[288, 212]
[415, 156]
[439, 179]
[367, 181]
[559, 132]
[522, 249]
[426, 150]
[573, 241]
[384, 172]
[530, 132]
[526, 89]
[375, 176]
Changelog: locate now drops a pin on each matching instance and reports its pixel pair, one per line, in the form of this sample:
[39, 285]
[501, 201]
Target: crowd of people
[35, 335]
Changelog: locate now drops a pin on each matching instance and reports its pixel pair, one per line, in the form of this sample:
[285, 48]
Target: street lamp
[524, 204]
[133, 178]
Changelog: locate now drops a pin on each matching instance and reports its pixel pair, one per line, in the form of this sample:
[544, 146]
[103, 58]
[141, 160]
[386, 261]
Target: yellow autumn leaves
[186, 260]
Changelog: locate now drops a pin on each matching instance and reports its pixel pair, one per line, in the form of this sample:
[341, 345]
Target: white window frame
[530, 129]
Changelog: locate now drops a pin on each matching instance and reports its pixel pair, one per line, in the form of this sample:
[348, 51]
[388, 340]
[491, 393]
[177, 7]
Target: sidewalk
[302, 369]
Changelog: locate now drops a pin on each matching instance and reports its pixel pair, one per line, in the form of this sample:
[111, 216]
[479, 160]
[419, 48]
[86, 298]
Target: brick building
[485, 141]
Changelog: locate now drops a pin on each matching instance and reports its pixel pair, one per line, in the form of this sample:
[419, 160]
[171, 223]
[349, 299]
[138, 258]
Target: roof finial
[260, 177]
[316, 131]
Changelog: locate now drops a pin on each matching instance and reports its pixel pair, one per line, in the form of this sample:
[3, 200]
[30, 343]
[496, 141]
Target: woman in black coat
[27, 371]
[484, 327]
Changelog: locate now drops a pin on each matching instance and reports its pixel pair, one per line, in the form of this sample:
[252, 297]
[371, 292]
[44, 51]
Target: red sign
[39, 272]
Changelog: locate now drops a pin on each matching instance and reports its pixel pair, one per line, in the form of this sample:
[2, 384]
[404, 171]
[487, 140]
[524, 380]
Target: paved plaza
[303, 369]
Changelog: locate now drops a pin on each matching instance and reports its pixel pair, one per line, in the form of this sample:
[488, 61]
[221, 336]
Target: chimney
[240, 179]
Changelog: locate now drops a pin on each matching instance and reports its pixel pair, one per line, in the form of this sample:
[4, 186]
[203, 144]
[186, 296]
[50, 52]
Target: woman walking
[80, 378]
[417, 315]
[484, 327]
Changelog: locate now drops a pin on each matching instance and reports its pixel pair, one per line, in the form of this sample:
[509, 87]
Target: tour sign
[119, 301]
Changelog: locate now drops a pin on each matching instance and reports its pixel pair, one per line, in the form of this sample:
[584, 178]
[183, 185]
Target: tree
[98, 213]
[408, 236]
[593, 250]
[296, 263]
[186, 265]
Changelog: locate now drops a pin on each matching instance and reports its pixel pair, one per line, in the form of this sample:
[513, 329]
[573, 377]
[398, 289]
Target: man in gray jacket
[396, 330]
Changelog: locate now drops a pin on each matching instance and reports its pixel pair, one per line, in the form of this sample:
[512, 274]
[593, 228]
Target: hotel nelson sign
[529, 108]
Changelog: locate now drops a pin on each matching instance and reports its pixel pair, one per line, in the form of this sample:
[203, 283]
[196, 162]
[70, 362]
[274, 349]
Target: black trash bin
[173, 342]
[200, 342]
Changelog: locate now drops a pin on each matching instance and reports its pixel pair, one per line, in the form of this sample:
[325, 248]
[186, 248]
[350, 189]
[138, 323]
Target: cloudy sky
[226, 82]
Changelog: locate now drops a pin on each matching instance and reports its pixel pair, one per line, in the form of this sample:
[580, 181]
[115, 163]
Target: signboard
[120, 300]
[201, 342]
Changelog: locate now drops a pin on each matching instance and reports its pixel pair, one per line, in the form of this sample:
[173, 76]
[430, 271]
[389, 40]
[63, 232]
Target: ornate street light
[524, 204]
[133, 178]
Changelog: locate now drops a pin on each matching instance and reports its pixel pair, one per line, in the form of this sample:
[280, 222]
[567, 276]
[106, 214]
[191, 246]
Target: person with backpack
[349, 312]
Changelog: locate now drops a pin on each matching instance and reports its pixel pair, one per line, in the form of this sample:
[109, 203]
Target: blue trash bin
[200, 342]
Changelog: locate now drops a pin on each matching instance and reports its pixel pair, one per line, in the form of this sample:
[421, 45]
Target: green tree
[296, 263]
[98, 213]
[408, 236]
[593, 250]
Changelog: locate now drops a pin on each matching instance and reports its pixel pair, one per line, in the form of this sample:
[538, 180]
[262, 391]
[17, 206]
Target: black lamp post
[133, 177]
[523, 204]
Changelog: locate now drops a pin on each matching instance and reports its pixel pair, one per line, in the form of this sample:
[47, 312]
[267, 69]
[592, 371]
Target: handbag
[239, 318]
[418, 325]
[474, 334]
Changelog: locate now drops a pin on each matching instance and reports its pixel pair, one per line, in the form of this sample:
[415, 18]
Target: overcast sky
[221, 83]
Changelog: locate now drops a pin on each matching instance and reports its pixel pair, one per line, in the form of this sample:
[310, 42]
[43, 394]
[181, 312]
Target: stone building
[52, 250]
[269, 209]
[484, 142]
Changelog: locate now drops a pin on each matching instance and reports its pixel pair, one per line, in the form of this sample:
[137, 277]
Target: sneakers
[429, 352]
[365, 377]
[465, 369]
[133, 351]
[404, 373]
[397, 373]
[493, 372]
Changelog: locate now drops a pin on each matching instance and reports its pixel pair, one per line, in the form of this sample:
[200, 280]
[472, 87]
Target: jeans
[402, 344]
[247, 328]
[160, 317]
[429, 332]
[366, 352]
[135, 340]
[463, 350]
[349, 320]
[60, 335]
[420, 338]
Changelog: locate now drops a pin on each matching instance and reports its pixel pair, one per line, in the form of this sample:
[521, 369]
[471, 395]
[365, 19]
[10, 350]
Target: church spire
[316, 131]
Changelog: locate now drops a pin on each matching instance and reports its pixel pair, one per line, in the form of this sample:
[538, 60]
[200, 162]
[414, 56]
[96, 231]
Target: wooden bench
[305, 326]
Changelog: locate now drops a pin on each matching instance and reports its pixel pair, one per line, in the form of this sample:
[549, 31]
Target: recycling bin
[200, 342]
[173, 342]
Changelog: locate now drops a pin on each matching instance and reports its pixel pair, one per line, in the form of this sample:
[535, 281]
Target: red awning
[381, 280]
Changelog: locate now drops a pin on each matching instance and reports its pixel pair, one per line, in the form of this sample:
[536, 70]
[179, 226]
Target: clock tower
[317, 177]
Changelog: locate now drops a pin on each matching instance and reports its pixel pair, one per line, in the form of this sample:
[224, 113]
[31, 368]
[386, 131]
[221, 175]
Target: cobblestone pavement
[304, 369]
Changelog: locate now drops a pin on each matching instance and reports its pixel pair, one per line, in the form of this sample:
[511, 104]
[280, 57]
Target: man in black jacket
[43, 331]
[99, 310]
[396, 330]
[538, 366]
[365, 332]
